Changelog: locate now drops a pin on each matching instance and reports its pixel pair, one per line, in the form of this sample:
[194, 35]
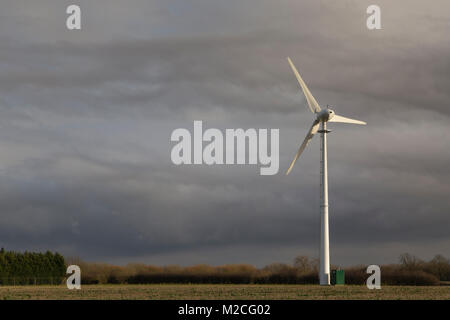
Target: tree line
[409, 271]
[18, 268]
[50, 268]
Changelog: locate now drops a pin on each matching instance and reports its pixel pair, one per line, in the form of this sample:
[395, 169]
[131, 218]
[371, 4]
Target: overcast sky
[86, 118]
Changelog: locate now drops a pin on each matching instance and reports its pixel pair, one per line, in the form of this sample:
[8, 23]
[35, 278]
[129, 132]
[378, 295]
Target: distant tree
[440, 260]
[410, 261]
[440, 267]
[304, 264]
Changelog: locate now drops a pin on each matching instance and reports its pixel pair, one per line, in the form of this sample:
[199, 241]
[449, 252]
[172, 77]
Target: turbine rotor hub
[325, 114]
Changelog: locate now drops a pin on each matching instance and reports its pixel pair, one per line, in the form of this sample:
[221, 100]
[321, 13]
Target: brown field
[198, 291]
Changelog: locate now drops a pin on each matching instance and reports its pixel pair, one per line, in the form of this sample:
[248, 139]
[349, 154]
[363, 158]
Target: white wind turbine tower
[322, 116]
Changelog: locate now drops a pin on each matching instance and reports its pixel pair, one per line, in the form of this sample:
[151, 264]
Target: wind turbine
[322, 116]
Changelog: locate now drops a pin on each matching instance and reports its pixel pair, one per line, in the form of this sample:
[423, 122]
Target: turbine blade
[309, 136]
[312, 103]
[337, 118]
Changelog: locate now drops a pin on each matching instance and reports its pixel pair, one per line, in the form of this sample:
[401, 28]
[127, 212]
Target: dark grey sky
[86, 118]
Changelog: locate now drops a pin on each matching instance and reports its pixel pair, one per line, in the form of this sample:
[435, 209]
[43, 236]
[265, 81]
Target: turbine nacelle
[325, 115]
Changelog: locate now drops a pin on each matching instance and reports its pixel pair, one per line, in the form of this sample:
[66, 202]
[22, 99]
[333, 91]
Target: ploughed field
[222, 291]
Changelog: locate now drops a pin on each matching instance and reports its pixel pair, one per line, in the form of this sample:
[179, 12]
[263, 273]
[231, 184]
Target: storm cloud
[86, 118]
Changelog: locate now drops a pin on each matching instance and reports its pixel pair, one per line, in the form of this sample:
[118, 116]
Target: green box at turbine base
[337, 277]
